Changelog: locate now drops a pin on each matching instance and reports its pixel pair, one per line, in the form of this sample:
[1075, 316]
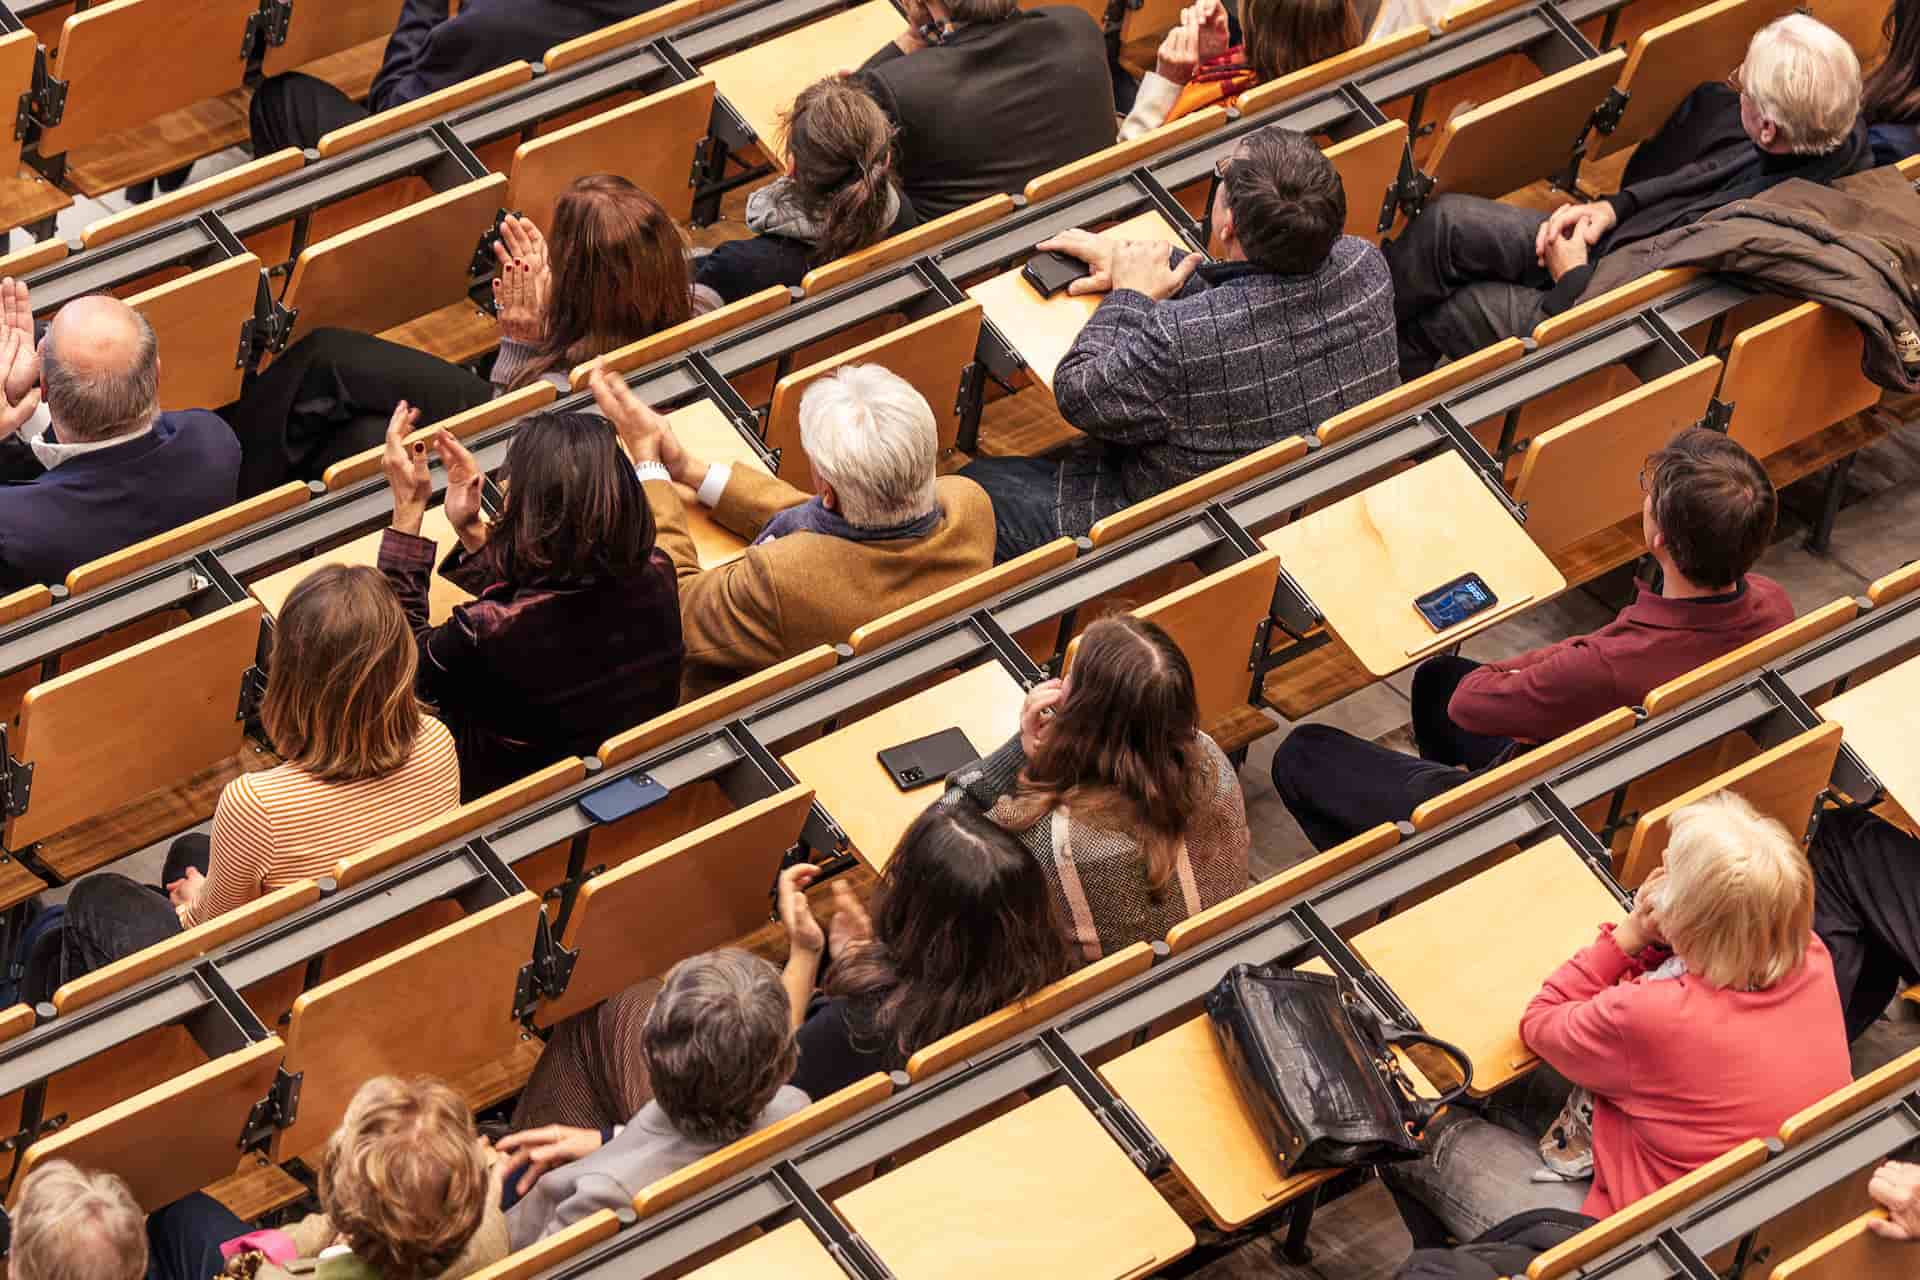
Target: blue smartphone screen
[1455, 602]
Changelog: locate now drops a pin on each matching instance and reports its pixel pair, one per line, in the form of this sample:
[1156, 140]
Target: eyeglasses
[1646, 477]
[1220, 168]
[1736, 81]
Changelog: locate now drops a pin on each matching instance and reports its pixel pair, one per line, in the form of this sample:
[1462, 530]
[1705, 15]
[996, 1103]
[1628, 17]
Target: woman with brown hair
[841, 194]
[1134, 814]
[614, 270]
[1890, 99]
[574, 630]
[1198, 66]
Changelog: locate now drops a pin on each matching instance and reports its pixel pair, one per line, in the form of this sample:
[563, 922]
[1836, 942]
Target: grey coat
[1242, 358]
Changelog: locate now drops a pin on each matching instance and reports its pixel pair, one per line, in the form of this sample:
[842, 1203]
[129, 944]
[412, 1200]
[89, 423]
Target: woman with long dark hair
[1890, 98]
[613, 270]
[840, 195]
[1135, 815]
[574, 631]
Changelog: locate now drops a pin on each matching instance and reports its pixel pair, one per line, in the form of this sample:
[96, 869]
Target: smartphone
[1455, 602]
[1051, 272]
[624, 796]
[927, 760]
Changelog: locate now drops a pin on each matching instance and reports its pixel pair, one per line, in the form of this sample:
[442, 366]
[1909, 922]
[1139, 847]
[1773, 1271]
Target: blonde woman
[1673, 1020]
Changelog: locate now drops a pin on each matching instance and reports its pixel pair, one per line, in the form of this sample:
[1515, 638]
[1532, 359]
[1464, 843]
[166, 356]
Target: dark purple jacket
[527, 674]
[429, 50]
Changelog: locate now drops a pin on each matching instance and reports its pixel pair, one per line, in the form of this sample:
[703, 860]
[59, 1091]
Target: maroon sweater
[1543, 694]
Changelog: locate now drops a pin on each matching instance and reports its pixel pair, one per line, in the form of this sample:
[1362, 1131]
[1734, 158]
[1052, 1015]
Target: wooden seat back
[1369, 165]
[671, 342]
[315, 31]
[763, 1144]
[716, 879]
[397, 267]
[1203, 926]
[1794, 375]
[148, 1140]
[430, 106]
[1894, 1077]
[716, 708]
[149, 716]
[187, 537]
[1854, 1252]
[1584, 475]
[1605, 306]
[1191, 493]
[549, 1252]
[1668, 61]
[1754, 654]
[1465, 15]
[929, 353]
[196, 195]
[1124, 155]
[1645, 1213]
[365, 465]
[386, 1017]
[456, 822]
[1422, 390]
[1522, 136]
[631, 31]
[197, 321]
[907, 244]
[650, 142]
[1782, 783]
[962, 596]
[1522, 769]
[201, 46]
[1890, 587]
[18, 51]
[1049, 1002]
[1341, 66]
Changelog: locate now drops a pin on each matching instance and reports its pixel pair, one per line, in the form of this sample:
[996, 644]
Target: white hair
[69, 1225]
[1738, 905]
[871, 436]
[1805, 78]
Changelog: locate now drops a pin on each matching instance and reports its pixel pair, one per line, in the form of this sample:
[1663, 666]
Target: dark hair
[1892, 93]
[574, 507]
[718, 1043]
[1287, 200]
[620, 273]
[841, 144]
[1714, 503]
[1123, 751]
[963, 924]
[1283, 36]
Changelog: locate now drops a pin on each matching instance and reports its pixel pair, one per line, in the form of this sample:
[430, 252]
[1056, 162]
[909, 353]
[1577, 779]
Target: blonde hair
[70, 1225]
[1738, 902]
[339, 700]
[1803, 76]
[404, 1180]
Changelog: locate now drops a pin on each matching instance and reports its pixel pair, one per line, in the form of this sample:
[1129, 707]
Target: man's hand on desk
[1141, 265]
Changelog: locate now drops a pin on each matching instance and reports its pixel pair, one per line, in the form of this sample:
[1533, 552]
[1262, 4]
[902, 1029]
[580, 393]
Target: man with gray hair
[718, 1045]
[1470, 271]
[878, 532]
[115, 469]
[69, 1225]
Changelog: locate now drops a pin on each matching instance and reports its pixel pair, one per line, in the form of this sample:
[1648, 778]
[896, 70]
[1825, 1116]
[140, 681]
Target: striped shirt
[283, 825]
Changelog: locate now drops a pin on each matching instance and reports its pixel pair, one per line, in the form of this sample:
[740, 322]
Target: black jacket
[430, 51]
[1506, 1249]
[996, 105]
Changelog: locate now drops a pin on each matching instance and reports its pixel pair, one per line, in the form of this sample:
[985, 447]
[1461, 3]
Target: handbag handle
[1424, 1109]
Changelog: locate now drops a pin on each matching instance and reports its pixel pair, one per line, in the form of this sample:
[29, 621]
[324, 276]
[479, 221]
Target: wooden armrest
[384, 124]
[1645, 1213]
[1523, 768]
[716, 706]
[117, 565]
[198, 195]
[1756, 653]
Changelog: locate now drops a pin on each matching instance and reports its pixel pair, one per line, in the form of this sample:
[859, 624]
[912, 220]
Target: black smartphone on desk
[1452, 604]
[927, 760]
[1051, 272]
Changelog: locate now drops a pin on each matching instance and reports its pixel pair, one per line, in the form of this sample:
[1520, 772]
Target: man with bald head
[116, 470]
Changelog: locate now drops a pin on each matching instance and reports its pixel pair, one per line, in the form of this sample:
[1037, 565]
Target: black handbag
[1315, 1064]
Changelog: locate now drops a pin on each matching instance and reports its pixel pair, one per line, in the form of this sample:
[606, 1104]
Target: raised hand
[464, 482]
[1210, 20]
[523, 286]
[19, 380]
[405, 463]
[804, 935]
[1179, 54]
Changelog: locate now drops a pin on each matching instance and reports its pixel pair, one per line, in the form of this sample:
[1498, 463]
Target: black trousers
[184, 1238]
[1866, 908]
[294, 110]
[1464, 276]
[1337, 785]
[330, 396]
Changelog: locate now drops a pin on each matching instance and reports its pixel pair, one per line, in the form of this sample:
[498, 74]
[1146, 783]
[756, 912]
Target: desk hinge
[16, 782]
[277, 1111]
[1606, 116]
[969, 390]
[24, 1136]
[1719, 415]
[278, 15]
[484, 262]
[1120, 1121]
[702, 150]
[23, 116]
[1411, 193]
[1261, 634]
[253, 687]
[245, 352]
[48, 97]
[546, 976]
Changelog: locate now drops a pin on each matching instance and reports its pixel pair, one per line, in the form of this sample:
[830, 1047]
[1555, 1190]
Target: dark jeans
[1337, 785]
[1025, 493]
[184, 1238]
[110, 916]
[1866, 909]
[1465, 275]
[330, 396]
[294, 110]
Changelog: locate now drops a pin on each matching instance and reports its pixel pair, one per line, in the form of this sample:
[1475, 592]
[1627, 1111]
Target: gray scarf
[774, 210]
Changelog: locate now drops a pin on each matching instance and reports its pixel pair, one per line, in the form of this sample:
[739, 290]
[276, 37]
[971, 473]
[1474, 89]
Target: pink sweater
[1682, 1071]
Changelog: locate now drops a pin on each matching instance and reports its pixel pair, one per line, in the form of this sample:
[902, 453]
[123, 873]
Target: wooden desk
[710, 436]
[1040, 1191]
[845, 773]
[790, 1252]
[1468, 961]
[1364, 559]
[1877, 720]
[272, 591]
[1041, 329]
[763, 81]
